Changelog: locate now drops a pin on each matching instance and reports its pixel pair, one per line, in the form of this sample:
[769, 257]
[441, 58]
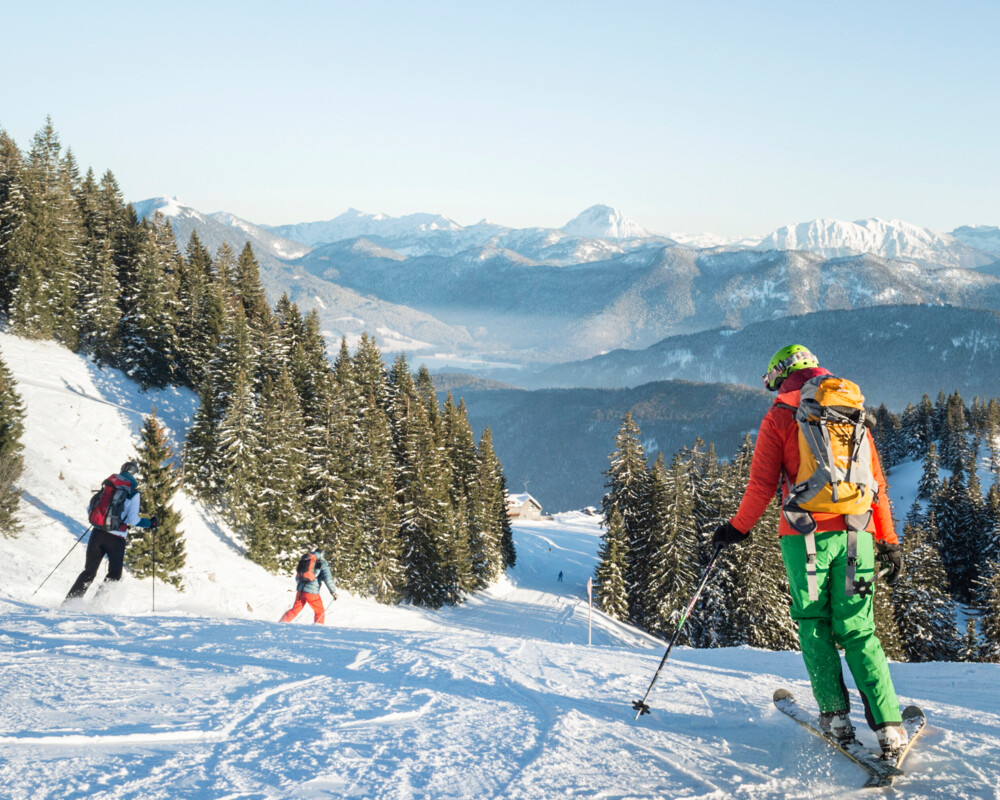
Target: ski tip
[782, 694]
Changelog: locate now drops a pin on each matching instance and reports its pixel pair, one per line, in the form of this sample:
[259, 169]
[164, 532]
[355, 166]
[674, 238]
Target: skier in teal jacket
[312, 572]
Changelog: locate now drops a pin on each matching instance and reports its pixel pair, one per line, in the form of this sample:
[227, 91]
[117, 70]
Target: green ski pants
[838, 619]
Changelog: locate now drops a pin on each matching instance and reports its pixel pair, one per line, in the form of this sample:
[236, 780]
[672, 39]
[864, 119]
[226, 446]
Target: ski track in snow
[501, 697]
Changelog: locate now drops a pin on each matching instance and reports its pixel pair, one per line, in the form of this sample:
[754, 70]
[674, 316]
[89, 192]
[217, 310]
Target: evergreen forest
[295, 450]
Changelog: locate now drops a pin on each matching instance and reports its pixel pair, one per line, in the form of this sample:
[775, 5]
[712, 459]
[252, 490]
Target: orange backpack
[835, 458]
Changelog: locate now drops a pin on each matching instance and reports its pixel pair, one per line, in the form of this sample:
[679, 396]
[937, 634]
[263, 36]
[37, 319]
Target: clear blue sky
[732, 117]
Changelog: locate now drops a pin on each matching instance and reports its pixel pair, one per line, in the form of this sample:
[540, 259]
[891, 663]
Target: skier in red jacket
[832, 613]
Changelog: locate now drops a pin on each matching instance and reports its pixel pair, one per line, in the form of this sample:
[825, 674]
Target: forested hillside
[294, 450]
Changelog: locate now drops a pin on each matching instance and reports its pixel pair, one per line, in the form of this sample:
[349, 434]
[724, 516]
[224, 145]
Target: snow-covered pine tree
[926, 627]
[611, 592]
[148, 339]
[674, 552]
[374, 528]
[988, 609]
[460, 451]
[930, 479]
[628, 490]
[889, 439]
[950, 535]
[197, 334]
[44, 293]
[489, 512]
[422, 494]
[11, 458]
[277, 531]
[13, 210]
[160, 482]
[329, 433]
[235, 467]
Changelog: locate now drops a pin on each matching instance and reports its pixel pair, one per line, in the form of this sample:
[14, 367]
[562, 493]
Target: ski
[879, 771]
[914, 722]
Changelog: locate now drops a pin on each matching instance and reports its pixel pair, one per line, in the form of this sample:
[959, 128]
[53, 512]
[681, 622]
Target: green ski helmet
[786, 361]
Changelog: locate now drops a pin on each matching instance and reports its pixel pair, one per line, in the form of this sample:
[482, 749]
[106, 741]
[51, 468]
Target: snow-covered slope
[208, 697]
[832, 238]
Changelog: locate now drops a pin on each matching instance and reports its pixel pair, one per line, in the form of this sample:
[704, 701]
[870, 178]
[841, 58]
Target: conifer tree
[946, 505]
[13, 211]
[927, 628]
[11, 449]
[43, 297]
[489, 521]
[628, 491]
[277, 524]
[611, 590]
[989, 611]
[422, 492]
[930, 479]
[160, 484]
[148, 337]
[674, 556]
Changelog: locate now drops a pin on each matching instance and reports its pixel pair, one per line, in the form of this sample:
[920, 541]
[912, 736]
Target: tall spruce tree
[611, 589]
[13, 212]
[628, 491]
[989, 613]
[11, 452]
[674, 554]
[927, 629]
[162, 547]
[277, 526]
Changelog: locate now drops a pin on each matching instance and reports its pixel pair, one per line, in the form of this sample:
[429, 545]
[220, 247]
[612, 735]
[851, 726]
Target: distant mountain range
[489, 296]
[895, 353]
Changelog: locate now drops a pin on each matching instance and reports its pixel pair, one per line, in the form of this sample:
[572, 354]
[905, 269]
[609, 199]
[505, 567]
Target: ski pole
[63, 559]
[640, 705]
[154, 569]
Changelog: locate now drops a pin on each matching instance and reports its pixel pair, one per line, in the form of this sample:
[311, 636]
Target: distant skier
[112, 511]
[311, 573]
[829, 566]
[560, 576]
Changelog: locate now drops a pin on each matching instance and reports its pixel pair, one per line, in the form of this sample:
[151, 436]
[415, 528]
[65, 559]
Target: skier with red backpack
[311, 573]
[835, 524]
[113, 509]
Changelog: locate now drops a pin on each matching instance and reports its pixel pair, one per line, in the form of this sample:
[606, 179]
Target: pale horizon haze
[724, 117]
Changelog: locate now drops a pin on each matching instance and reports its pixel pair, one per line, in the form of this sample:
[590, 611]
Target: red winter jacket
[776, 453]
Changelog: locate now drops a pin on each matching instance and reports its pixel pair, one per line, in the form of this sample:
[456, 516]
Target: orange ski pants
[315, 602]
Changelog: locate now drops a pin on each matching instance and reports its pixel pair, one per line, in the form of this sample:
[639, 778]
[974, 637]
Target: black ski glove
[890, 556]
[154, 521]
[727, 534]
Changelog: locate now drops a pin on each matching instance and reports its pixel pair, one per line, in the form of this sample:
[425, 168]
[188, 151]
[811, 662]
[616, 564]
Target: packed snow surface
[502, 697]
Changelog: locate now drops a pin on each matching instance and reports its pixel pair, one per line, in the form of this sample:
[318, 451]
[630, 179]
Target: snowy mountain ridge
[501, 698]
[833, 238]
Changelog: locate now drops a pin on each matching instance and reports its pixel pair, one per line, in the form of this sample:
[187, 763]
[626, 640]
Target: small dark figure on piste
[113, 509]
[311, 573]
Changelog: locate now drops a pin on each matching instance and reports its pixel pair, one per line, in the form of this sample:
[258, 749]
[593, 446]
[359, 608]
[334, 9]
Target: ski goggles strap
[785, 364]
[811, 581]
